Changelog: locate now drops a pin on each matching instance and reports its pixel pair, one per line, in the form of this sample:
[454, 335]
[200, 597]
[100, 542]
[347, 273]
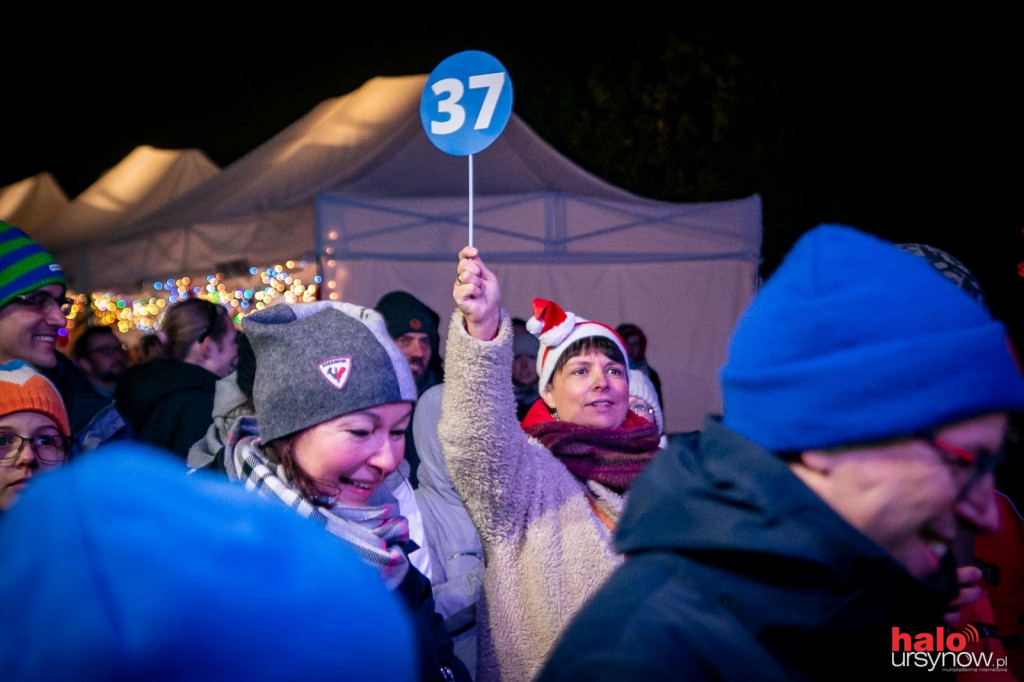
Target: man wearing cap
[33, 315]
[413, 326]
[806, 533]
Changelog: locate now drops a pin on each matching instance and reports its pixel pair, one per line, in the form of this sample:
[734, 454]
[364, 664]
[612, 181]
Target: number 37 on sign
[466, 102]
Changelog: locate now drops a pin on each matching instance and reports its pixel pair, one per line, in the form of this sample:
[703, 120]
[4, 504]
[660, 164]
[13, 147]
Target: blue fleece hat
[853, 340]
[121, 566]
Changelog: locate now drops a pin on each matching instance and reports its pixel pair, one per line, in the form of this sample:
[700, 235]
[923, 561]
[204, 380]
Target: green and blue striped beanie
[25, 265]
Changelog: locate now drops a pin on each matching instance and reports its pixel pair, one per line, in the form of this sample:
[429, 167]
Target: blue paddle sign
[466, 102]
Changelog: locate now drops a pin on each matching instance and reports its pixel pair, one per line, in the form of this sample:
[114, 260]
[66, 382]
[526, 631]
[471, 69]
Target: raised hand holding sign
[464, 107]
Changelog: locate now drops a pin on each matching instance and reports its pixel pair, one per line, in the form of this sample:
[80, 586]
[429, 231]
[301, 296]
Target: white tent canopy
[144, 180]
[357, 185]
[31, 202]
[682, 272]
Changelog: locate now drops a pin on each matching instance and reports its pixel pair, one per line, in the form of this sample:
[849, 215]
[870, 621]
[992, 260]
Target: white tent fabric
[357, 185]
[681, 272]
[31, 202]
[144, 180]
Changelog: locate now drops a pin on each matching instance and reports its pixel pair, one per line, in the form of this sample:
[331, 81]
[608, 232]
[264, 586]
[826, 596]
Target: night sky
[915, 117]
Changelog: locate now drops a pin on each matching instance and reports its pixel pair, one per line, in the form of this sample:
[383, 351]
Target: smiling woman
[345, 460]
[546, 494]
[333, 396]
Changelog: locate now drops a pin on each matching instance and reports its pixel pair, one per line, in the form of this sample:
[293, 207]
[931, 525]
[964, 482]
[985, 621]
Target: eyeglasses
[641, 408]
[971, 465]
[49, 449]
[41, 302]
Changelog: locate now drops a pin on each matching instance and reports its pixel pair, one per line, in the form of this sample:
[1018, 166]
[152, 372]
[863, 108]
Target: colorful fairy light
[142, 312]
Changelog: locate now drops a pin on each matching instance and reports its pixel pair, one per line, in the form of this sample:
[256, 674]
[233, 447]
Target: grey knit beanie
[318, 361]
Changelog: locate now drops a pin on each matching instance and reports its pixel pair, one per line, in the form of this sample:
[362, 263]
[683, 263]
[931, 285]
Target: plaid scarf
[377, 534]
[612, 457]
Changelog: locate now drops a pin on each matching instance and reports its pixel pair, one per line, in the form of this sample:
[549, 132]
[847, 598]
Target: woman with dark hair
[545, 496]
[168, 401]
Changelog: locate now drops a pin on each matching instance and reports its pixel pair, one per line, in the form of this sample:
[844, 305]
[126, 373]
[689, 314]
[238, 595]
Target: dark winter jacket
[735, 570]
[80, 398]
[168, 403]
[437, 649]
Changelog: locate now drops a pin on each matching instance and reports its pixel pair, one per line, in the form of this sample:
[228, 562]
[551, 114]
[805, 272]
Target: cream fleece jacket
[546, 549]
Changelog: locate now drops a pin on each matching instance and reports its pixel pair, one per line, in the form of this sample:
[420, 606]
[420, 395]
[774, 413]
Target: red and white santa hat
[556, 330]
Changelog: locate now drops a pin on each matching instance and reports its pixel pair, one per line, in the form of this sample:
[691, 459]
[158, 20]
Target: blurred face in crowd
[21, 460]
[105, 360]
[222, 353]
[590, 389]
[28, 330]
[348, 457]
[524, 369]
[415, 346]
[641, 408]
[634, 347]
[914, 496]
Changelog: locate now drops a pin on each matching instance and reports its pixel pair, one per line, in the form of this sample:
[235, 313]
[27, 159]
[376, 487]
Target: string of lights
[143, 311]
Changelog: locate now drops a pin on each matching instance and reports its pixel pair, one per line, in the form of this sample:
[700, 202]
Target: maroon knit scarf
[612, 457]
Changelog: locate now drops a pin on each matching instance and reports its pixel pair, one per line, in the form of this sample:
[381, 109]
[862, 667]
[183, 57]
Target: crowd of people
[316, 477]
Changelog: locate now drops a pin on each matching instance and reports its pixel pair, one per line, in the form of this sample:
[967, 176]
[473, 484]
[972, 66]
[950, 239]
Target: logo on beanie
[415, 325]
[336, 370]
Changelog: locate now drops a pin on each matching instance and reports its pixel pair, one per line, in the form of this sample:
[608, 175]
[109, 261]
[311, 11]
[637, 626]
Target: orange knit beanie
[23, 389]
